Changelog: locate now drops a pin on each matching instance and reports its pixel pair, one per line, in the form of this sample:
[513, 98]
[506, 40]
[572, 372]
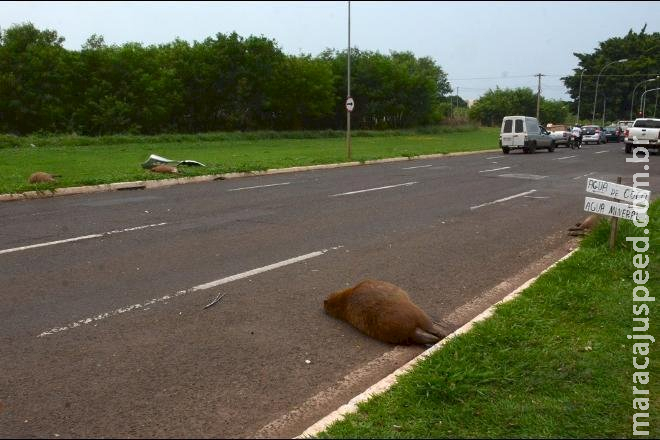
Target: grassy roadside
[553, 363]
[89, 161]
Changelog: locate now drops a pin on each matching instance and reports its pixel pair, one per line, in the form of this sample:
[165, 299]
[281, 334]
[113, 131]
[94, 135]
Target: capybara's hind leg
[422, 337]
[441, 329]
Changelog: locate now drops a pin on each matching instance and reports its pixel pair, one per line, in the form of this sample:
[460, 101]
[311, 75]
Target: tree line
[224, 83]
[494, 105]
[617, 80]
[231, 83]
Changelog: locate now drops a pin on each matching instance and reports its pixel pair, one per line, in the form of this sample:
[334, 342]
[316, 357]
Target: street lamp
[593, 115]
[604, 100]
[632, 102]
[644, 98]
[348, 92]
[577, 120]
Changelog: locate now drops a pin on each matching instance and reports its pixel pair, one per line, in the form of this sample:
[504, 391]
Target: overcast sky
[500, 43]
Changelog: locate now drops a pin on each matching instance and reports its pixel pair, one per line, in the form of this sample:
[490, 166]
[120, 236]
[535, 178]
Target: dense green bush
[224, 83]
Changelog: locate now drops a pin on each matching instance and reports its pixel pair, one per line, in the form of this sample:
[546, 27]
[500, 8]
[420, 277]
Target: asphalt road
[103, 330]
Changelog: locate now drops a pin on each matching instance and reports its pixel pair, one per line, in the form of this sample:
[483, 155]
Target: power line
[493, 77]
[552, 75]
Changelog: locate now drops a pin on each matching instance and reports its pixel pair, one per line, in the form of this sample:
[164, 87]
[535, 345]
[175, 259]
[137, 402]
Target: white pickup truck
[560, 133]
[644, 132]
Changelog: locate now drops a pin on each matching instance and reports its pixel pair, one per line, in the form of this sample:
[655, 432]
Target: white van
[524, 132]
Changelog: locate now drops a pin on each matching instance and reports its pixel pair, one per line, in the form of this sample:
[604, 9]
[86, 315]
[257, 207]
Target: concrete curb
[147, 184]
[387, 382]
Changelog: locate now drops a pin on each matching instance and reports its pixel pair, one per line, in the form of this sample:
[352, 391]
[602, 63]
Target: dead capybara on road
[385, 312]
[41, 177]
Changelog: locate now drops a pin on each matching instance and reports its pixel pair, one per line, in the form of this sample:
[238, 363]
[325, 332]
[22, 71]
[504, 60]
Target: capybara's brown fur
[585, 225]
[385, 312]
[41, 177]
[167, 169]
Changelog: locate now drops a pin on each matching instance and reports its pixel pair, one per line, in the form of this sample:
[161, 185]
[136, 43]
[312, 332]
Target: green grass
[88, 161]
[553, 363]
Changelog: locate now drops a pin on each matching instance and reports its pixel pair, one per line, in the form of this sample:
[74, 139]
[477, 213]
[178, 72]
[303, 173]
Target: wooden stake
[614, 225]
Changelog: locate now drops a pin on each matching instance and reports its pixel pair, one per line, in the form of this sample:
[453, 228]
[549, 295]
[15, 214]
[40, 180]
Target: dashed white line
[584, 175]
[208, 285]
[259, 186]
[600, 152]
[504, 199]
[522, 176]
[494, 157]
[565, 157]
[82, 237]
[494, 169]
[373, 189]
[420, 166]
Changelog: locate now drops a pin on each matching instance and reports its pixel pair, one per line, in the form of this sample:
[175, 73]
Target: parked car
[560, 133]
[524, 132]
[593, 134]
[613, 134]
[623, 125]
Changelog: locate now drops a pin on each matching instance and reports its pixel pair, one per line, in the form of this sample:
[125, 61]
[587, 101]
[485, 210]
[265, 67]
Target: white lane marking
[373, 189]
[600, 152]
[522, 176]
[83, 237]
[565, 157]
[537, 197]
[420, 166]
[584, 175]
[259, 186]
[494, 169]
[504, 199]
[494, 157]
[208, 285]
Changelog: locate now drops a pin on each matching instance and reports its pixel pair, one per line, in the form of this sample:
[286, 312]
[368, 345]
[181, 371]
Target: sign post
[611, 208]
[614, 225]
[348, 92]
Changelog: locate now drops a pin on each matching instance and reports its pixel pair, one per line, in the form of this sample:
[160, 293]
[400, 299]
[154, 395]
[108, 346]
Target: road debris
[154, 160]
[218, 298]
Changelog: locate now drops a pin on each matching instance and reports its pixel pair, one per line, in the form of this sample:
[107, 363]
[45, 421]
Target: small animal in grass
[385, 312]
[585, 225]
[166, 169]
[41, 177]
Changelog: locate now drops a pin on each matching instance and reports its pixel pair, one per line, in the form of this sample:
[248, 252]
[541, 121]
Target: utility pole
[577, 118]
[451, 106]
[538, 96]
[458, 97]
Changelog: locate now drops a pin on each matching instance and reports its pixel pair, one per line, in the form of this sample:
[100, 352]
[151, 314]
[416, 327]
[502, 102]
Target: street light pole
[577, 120]
[348, 113]
[632, 102]
[593, 115]
[644, 99]
[604, 100]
